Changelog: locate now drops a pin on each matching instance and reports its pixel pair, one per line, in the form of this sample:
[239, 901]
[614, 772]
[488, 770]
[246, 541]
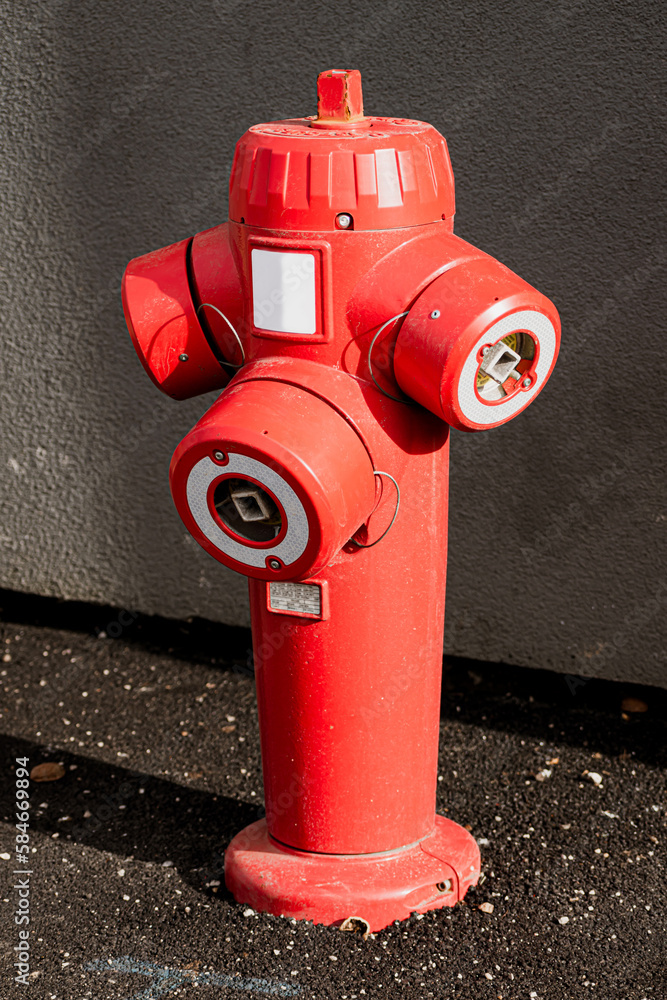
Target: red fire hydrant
[357, 329]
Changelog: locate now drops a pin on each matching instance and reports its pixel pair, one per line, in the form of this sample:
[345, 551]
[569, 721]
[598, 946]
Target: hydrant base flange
[328, 888]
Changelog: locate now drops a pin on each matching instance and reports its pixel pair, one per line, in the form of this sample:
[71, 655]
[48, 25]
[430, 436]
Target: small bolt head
[219, 456]
[527, 382]
[435, 314]
[183, 357]
[344, 220]
[275, 564]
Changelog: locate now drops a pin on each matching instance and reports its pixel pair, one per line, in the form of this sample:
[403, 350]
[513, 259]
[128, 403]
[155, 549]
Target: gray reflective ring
[542, 329]
[292, 545]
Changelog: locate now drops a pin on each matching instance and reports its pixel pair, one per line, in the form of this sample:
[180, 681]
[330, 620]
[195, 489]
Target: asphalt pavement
[154, 725]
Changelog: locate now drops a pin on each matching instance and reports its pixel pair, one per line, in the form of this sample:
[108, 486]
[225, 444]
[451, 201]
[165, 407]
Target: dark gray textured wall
[119, 122]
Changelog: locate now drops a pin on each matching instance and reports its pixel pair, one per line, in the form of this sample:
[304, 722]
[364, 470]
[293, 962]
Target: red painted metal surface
[299, 174]
[216, 288]
[304, 443]
[161, 316]
[432, 874]
[361, 328]
[470, 307]
[349, 707]
[339, 99]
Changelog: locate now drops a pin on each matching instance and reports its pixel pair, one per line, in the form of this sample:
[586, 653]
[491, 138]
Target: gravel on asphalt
[154, 723]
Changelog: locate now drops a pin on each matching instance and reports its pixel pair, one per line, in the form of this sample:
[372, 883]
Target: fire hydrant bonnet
[386, 173]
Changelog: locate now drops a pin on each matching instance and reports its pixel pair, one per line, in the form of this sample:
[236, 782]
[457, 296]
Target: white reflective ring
[543, 330]
[293, 544]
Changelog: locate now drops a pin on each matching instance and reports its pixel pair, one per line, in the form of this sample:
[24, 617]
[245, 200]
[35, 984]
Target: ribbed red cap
[301, 173]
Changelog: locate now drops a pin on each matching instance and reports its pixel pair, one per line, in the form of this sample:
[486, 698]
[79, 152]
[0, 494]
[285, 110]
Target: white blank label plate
[283, 291]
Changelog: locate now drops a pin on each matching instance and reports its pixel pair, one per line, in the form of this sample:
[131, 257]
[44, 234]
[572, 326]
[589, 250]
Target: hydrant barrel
[349, 696]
